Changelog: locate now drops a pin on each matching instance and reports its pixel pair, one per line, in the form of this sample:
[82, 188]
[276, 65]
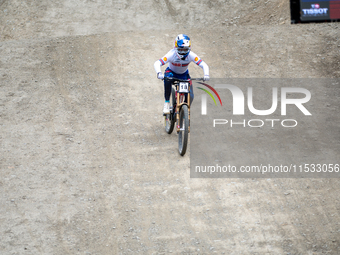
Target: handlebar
[176, 79]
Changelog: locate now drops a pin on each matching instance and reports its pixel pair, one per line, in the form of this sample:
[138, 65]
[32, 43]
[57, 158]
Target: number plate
[183, 87]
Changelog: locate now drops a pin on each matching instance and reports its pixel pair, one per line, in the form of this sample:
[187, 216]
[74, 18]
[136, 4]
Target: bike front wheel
[170, 118]
[184, 130]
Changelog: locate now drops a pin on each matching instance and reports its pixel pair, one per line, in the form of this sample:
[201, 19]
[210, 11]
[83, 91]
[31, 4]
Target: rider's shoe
[166, 109]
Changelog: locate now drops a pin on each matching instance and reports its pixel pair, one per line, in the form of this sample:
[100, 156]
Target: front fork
[180, 98]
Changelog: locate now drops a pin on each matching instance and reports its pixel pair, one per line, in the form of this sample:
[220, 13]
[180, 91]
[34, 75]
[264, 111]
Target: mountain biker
[179, 59]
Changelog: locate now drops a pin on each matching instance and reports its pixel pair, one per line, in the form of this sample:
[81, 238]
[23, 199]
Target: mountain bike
[179, 111]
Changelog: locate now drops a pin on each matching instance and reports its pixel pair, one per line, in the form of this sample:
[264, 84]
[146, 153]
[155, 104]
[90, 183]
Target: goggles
[183, 51]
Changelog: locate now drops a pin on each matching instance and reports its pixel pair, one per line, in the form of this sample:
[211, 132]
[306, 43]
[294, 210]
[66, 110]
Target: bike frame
[180, 112]
[180, 98]
[180, 101]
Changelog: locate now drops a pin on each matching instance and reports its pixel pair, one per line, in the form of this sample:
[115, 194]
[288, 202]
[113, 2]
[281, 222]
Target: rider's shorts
[167, 84]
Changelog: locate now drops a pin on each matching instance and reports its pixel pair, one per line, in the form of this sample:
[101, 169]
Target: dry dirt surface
[86, 166]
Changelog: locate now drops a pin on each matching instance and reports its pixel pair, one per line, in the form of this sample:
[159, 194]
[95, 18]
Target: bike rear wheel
[184, 130]
[170, 118]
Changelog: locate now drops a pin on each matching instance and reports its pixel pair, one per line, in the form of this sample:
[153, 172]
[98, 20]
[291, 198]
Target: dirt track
[86, 167]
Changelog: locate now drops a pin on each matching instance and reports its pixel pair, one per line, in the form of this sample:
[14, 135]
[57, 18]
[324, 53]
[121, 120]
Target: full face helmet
[182, 46]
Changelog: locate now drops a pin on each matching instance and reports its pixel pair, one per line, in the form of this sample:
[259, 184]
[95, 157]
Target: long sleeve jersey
[178, 65]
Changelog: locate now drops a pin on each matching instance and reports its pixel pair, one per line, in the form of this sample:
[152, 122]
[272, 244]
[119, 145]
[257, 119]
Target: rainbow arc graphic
[204, 110]
[204, 98]
[209, 93]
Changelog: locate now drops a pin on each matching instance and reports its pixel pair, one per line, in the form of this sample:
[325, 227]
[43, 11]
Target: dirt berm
[86, 166]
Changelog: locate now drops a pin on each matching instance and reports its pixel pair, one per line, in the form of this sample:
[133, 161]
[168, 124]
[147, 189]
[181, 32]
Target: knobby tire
[170, 118]
[184, 132]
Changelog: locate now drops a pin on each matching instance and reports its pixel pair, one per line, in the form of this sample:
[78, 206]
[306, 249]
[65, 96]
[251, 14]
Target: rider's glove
[206, 78]
[160, 76]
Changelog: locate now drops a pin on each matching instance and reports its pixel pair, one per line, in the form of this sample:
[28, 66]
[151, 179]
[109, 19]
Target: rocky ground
[86, 167]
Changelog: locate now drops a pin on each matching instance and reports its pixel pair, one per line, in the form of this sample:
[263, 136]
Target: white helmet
[182, 46]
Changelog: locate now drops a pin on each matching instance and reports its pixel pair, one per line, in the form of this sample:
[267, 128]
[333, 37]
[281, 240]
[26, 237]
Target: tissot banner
[319, 10]
[316, 10]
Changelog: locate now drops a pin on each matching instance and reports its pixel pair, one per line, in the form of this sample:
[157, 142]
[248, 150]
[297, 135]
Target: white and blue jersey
[178, 68]
[178, 65]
